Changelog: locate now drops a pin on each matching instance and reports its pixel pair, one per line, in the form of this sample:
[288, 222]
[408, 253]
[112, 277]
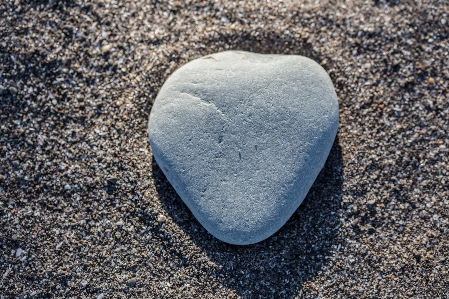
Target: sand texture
[86, 212]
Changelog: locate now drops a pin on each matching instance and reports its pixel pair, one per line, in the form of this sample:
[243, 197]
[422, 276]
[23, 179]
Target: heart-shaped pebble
[242, 137]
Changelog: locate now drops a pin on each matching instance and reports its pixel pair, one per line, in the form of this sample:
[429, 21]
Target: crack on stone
[203, 102]
[211, 57]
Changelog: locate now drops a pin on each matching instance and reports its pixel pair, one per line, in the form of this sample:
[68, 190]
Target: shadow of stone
[278, 266]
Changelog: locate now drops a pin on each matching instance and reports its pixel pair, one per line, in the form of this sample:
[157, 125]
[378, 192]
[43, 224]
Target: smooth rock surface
[242, 137]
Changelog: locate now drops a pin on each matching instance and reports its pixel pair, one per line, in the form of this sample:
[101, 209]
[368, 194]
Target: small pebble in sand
[106, 48]
[431, 80]
[112, 180]
[12, 90]
[19, 252]
[131, 282]
[161, 218]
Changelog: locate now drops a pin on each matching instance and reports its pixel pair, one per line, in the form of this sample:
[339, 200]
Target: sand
[85, 212]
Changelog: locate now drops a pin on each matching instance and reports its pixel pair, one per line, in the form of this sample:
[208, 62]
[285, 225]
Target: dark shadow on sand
[278, 266]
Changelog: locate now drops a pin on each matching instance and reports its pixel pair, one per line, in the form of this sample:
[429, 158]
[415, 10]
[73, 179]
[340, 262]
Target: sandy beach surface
[85, 211]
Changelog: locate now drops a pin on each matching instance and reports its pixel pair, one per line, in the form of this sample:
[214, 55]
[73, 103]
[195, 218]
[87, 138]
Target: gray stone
[242, 137]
